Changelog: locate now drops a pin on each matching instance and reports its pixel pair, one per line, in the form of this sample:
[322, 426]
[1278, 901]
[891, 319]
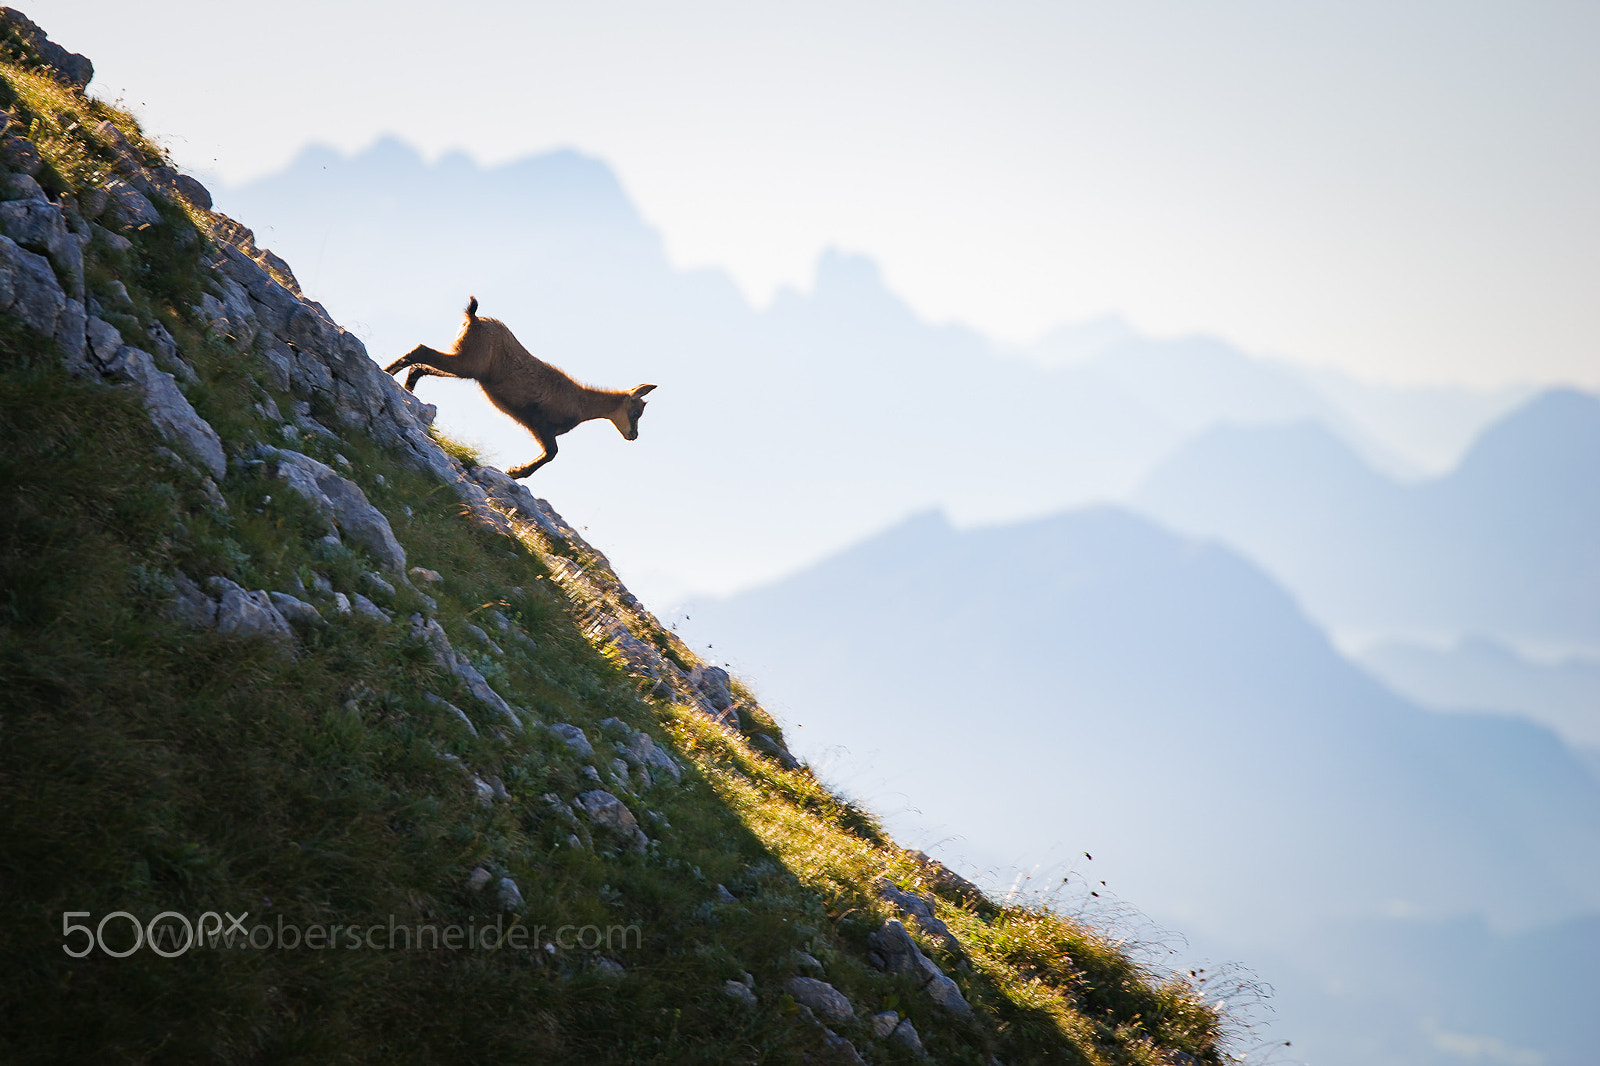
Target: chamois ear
[640, 390]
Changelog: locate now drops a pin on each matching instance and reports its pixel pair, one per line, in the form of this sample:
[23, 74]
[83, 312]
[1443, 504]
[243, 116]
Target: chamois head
[626, 416]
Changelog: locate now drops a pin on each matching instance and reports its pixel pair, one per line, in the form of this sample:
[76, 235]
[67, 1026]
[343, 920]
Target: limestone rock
[365, 608]
[242, 613]
[103, 339]
[905, 1034]
[896, 952]
[20, 187]
[899, 953]
[479, 686]
[510, 895]
[296, 611]
[821, 997]
[941, 876]
[712, 682]
[190, 605]
[606, 810]
[839, 1051]
[643, 753]
[193, 191]
[574, 738]
[28, 288]
[739, 991]
[341, 501]
[169, 408]
[764, 743]
[39, 226]
[16, 153]
[920, 909]
[70, 67]
[72, 336]
[129, 206]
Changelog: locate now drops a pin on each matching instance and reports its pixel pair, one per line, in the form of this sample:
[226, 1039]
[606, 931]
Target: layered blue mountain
[1477, 672]
[1507, 544]
[835, 410]
[1091, 682]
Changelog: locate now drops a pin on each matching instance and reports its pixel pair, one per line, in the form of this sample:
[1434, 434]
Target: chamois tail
[472, 307]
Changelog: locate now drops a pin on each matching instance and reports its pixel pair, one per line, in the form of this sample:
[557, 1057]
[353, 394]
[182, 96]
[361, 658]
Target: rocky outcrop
[894, 951]
[230, 610]
[341, 501]
[828, 1002]
[610, 813]
[429, 632]
[70, 67]
[920, 910]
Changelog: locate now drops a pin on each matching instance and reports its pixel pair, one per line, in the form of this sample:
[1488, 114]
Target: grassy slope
[145, 767]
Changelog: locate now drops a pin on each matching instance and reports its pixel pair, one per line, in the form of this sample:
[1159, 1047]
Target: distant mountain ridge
[1505, 544]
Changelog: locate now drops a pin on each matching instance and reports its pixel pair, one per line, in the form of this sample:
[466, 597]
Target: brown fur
[546, 401]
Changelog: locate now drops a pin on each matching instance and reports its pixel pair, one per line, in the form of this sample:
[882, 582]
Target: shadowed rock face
[70, 67]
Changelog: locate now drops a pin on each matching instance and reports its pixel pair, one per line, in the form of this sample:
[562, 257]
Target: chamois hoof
[520, 472]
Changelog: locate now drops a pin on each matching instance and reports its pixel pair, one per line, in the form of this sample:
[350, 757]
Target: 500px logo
[161, 933]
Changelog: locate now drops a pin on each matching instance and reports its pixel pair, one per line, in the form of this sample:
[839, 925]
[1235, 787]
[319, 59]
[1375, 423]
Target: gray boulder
[103, 339]
[510, 894]
[574, 738]
[132, 210]
[604, 809]
[193, 191]
[296, 611]
[431, 633]
[641, 752]
[894, 950]
[242, 613]
[341, 501]
[169, 408]
[821, 997]
[920, 910]
[190, 605]
[712, 683]
[946, 993]
[766, 745]
[70, 67]
[20, 187]
[71, 336]
[18, 154]
[365, 608]
[905, 1034]
[897, 953]
[479, 686]
[740, 992]
[29, 289]
[39, 226]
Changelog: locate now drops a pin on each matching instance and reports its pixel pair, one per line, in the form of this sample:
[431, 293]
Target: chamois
[546, 401]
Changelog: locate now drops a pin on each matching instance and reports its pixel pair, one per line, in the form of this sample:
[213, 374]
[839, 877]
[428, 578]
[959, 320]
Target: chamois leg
[422, 355]
[419, 371]
[548, 443]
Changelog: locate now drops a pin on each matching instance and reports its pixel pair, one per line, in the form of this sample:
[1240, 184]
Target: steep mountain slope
[1507, 544]
[321, 742]
[1161, 704]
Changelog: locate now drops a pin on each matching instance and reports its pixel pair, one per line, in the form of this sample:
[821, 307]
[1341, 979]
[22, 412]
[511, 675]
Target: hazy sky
[1408, 190]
